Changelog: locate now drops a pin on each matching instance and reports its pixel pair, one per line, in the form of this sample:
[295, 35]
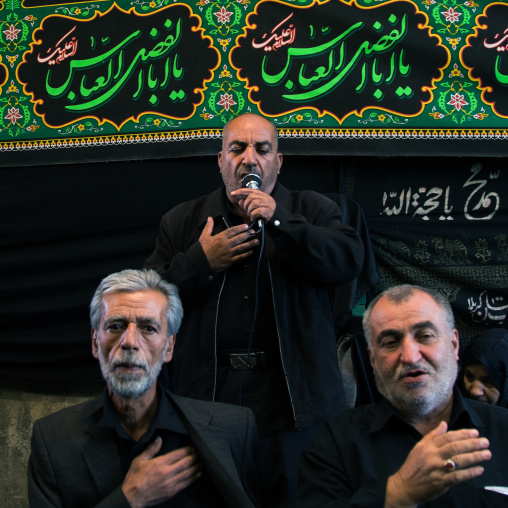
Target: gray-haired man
[422, 444]
[138, 445]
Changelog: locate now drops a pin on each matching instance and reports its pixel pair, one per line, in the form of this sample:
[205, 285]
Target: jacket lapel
[100, 452]
[212, 445]
[101, 456]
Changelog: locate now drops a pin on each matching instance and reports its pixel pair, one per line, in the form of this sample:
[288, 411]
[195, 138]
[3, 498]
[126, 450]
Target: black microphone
[251, 181]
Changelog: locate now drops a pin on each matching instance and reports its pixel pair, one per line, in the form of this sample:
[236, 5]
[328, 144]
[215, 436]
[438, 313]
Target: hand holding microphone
[257, 204]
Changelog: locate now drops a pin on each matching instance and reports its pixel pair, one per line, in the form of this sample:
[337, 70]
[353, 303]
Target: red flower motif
[457, 101]
[11, 33]
[223, 15]
[13, 115]
[451, 15]
[226, 100]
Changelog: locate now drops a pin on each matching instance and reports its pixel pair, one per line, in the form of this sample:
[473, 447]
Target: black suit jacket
[75, 465]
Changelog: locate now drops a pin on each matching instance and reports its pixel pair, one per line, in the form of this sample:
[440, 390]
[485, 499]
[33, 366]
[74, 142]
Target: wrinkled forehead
[148, 303]
[403, 315]
[251, 129]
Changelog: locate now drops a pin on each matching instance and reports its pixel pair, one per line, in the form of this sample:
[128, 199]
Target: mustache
[128, 358]
[403, 370]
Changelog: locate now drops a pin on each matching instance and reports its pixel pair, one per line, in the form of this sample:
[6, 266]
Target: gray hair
[131, 281]
[226, 127]
[402, 293]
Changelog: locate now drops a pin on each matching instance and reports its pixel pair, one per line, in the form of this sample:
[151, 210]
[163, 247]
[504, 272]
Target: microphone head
[251, 181]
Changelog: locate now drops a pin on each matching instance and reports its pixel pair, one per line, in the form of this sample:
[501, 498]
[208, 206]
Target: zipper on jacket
[280, 345]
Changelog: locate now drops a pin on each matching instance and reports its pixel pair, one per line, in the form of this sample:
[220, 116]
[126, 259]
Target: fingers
[152, 449]
[257, 204]
[208, 229]
[463, 446]
[187, 469]
[464, 461]
[151, 481]
[454, 435]
[466, 450]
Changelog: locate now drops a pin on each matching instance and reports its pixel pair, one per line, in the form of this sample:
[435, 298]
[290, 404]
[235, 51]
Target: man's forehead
[254, 129]
[147, 303]
[418, 308]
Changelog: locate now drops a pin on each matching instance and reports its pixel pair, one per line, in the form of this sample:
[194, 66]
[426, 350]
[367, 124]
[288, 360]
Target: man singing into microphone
[253, 262]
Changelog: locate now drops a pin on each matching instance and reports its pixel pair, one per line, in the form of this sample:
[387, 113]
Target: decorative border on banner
[212, 134]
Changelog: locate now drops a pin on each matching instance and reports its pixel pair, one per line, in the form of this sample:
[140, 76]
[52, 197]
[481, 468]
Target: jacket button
[210, 277]
[276, 223]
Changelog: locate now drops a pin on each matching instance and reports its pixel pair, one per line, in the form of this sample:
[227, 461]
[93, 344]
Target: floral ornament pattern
[12, 88]
[227, 101]
[457, 102]
[297, 118]
[454, 42]
[223, 15]
[452, 16]
[222, 19]
[13, 111]
[225, 72]
[82, 11]
[205, 115]
[224, 43]
[11, 34]
[15, 116]
[12, 60]
[455, 73]
[384, 118]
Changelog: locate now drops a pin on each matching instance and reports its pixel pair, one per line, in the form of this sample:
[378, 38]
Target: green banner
[152, 78]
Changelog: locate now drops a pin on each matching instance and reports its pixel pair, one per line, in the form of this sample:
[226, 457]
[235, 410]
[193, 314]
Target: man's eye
[389, 343]
[113, 328]
[469, 376]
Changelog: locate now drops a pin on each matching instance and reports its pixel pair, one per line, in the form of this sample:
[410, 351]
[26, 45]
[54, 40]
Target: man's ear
[168, 355]
[95, 345]
[456, 343]
[279, 162]
[219, 159]
[370, 356]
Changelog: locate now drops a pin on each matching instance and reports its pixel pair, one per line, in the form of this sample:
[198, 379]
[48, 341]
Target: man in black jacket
[422, 444]
[139, 445]
[254, 266]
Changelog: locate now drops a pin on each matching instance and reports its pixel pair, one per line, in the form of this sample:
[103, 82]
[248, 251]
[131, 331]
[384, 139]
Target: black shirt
[246, 288]
[168, 425]
[349, 462]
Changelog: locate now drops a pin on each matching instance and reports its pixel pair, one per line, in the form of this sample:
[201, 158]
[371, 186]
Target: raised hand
[423, 476]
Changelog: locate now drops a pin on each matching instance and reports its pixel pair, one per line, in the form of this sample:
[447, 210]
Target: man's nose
[249, 156]
[410, 351]
[130, 338]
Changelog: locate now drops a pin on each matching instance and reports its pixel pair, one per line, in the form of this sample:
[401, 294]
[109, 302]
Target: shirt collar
[461, 417]
[165, 418]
